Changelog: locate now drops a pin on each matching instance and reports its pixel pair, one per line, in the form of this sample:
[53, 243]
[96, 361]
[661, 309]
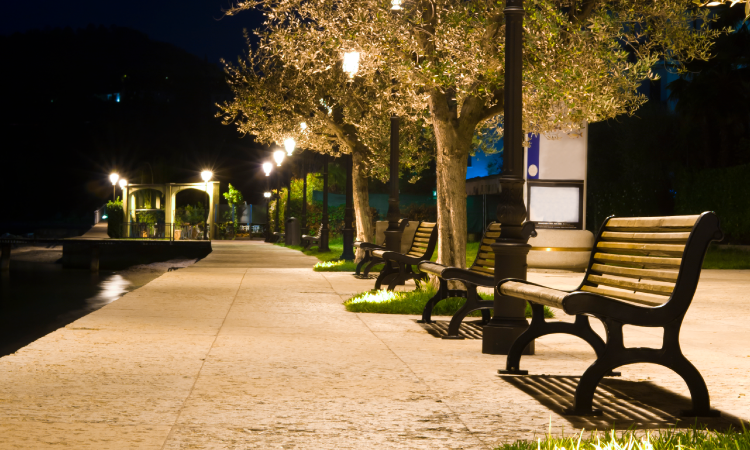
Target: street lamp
[123, 183]
[113, 177]
[267, 167]
[351, 63]
[206, 175]
[395, 5]
[278, 156]
[289, 145]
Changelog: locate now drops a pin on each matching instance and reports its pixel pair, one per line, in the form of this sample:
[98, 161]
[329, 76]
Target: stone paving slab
[250, 348]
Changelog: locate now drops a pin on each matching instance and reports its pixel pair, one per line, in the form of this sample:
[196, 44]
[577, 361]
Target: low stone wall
[114, 254]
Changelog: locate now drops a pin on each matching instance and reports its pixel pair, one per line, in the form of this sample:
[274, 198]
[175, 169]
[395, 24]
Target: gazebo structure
[168, 197]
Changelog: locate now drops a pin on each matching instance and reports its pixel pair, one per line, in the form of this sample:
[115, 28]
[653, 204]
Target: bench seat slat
[642, 248]
[415, 254]
[495, 227]
[487, 256]
[420, 234]
[641, 286]
[649, 274]
[482, 269]
[645, 237]
[421, 239]
[537, 294]
[492, 234]
[643, 299]
[639, 261]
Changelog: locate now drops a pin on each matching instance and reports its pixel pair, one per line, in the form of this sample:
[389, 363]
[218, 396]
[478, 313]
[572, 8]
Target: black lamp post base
[323, 246]
[348, 253]
[497, 340]
[393, 240]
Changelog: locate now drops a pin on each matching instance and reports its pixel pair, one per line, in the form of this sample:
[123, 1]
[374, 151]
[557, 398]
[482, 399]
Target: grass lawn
[691, 439]
[726, 258]
[336, 245]
[413, 302]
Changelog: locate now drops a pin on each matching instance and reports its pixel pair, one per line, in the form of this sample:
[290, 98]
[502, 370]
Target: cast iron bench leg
[472, 303]
[374, 262]
[540, 327]
[441, 294]
[387, 272]
[616, 355]
[364, 261]
[400, 277]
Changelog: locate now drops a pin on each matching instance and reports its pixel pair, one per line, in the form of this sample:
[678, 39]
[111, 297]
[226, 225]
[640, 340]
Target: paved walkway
[250, 348]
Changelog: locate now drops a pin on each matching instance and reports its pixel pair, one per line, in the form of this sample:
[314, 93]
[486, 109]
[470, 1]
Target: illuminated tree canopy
[442, 61]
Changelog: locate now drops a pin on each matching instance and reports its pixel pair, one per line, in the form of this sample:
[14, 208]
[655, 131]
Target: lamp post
[267, 167]
[113, 177]
[324, 229]
[303, 170]
[206, 175]
[393, 233]
[278, 156]
[348, 231]
[512, 248]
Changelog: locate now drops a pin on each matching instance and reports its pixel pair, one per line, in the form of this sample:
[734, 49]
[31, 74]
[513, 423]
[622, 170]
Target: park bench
[309, 241]
[643, 272]
[399, 267]
[368, 248]
[279, 236]
[480, 273]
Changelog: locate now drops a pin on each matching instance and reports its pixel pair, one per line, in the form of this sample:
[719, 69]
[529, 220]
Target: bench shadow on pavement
[624, 403]
[468, 330]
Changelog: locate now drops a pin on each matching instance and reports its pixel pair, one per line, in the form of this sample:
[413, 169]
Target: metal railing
[100, 213]
[168, 231]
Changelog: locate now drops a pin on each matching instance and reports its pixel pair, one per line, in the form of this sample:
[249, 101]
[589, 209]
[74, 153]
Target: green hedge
[724, 191]
[114, 219]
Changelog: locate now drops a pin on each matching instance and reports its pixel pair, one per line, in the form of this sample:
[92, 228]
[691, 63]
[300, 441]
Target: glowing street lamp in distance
[278, 156]
[395, 5]
[267, 194]
[113, 177]
[267, 167]
[289, 144]
[303, 126]
[123, 183]
[351, 63]
[206, 175]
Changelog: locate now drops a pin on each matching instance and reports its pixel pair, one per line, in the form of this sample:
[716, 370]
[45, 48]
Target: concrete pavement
[250, 348]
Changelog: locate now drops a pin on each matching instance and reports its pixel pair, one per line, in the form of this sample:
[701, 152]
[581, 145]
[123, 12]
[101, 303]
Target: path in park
[250, 348]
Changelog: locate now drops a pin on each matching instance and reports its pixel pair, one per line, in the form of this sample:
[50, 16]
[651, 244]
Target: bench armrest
[467, 276]
[581, 302]
[395, 256]
[432, 268]
[368, 246]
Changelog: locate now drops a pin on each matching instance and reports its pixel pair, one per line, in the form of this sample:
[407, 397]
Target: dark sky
[194, 25]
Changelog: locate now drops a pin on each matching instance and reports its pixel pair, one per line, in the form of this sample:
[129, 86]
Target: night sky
[194, 25]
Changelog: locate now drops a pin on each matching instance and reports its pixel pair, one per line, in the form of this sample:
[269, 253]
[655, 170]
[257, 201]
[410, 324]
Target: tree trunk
[452, 155]
[361, 199]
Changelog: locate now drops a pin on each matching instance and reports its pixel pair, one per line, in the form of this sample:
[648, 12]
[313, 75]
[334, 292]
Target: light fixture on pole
[395, 5]
[123, 183]
[267, 167]
[289, 144]
[303, 126]
[267, 194]
[206, 175]
[278, 156]
[113, 177]
[351, 63]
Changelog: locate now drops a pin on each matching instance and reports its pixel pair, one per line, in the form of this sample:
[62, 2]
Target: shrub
[115, 218]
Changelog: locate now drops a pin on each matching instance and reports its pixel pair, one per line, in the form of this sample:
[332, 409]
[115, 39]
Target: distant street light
[267, 167]
[113, 177]
[289, 144]
[267, 194]
[206, 175]
[303, 126]
[395, 5]
[123, 183]
[278, 156]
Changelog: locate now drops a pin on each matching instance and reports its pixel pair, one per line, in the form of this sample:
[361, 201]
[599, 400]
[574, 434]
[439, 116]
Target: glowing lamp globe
[395, 5]
[351, 63]
[289, 145]
[267, 166]
[267, 194]
[206, 175]
[113, 177]
[278, 156]
[123, 183]
[303, 126]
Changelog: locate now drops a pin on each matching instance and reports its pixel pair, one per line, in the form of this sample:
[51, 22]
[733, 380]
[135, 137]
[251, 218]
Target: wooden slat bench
[368, 248]
[399, 267]
[643, 272]
[309, 241]
[279, 236]
[480, 273]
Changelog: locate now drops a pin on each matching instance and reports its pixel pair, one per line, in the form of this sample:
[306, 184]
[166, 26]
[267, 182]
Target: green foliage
[427, 213]
[726, 258]
[724, 191]
[671, 439]
[115, 218]
[234, 199]
[190, 215]
[413, 302]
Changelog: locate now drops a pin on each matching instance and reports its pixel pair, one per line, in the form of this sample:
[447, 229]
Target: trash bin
[292, 232]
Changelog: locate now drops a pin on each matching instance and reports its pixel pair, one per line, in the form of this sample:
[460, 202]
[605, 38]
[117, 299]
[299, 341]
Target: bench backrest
[484, 263]
[425, 238]
[320, 230]
[650, 260]
[402, 224]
